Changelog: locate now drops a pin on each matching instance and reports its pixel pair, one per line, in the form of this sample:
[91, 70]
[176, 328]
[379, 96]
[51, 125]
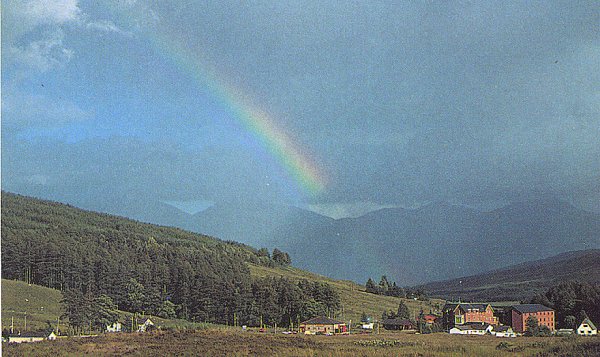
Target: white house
[459, 330]
[115, 327]
[367, 325]
[32, 337]
[145, 324]
[504, 331]
[587, 328]
[564, 332]
[475, 329]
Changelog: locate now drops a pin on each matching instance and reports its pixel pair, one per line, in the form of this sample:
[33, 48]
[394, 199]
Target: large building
[456, 314]
[323, 325]
[543, 314]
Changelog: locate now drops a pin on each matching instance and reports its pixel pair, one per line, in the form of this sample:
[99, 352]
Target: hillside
[354, 299]
[522, 281]
[39, 305]
[206, 279]
[30, 307]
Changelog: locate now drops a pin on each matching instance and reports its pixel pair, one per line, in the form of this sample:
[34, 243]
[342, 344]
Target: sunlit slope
[38, 305]
[355, 300]
[43, 309]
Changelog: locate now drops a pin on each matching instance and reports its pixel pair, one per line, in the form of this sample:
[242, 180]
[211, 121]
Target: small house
[323, 325]
[145, 325]
[563, 332]
[430, 319]
[366, 325]
[587, 328]
[114, 327]
[51, 336]
[32, 337]
[473, 329]
[459, 330]
[397, 324]
[504, 331]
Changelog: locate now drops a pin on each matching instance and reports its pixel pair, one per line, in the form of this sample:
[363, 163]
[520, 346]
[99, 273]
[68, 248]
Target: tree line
[385, 287]
[100, 260]
[572, 301]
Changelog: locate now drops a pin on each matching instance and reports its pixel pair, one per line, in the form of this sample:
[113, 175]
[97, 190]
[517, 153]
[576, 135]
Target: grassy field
[212, 342]
[38, 305]
[42, 307]
[354, 298]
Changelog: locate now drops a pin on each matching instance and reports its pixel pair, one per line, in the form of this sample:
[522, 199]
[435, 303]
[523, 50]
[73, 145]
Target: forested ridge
[147, 268]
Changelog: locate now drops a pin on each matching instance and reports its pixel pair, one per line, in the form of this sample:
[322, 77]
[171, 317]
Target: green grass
[38, 305]
[42, 307]
[355, 300]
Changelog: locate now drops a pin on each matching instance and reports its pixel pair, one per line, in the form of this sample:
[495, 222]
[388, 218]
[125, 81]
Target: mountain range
[411, 246]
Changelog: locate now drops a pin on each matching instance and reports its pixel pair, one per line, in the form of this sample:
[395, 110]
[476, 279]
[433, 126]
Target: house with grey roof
[521, 312]
[587, 328]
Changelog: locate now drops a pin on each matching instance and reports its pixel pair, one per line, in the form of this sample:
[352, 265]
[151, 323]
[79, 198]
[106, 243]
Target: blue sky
[475, 103]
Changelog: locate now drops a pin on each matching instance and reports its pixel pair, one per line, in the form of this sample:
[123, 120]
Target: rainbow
[296, 162]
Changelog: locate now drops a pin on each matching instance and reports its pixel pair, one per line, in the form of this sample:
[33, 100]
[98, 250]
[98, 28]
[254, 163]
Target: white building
[504, 331]
[32, 337]
[475, 329]
[115, 327]
[145, 325]
[587, 328]
[367, 325]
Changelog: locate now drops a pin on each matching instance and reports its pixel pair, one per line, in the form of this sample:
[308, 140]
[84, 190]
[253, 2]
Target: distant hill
[521, 281]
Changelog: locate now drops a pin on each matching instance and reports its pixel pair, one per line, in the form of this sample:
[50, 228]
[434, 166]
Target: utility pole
[57, 323]
[12, 325]
[25, 329]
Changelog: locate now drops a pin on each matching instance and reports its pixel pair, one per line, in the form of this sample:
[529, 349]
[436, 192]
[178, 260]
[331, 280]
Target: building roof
[462, 327]
[479, 327]
[526, 308]
[589, 322]
[143, 320]
[502, 328]
[33, 334]
[322, 320]
[467, 306]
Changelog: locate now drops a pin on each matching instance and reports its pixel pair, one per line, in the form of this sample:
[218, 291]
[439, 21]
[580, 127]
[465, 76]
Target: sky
[341, 107]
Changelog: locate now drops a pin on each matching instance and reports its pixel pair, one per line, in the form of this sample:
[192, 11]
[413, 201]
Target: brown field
[213, 342]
